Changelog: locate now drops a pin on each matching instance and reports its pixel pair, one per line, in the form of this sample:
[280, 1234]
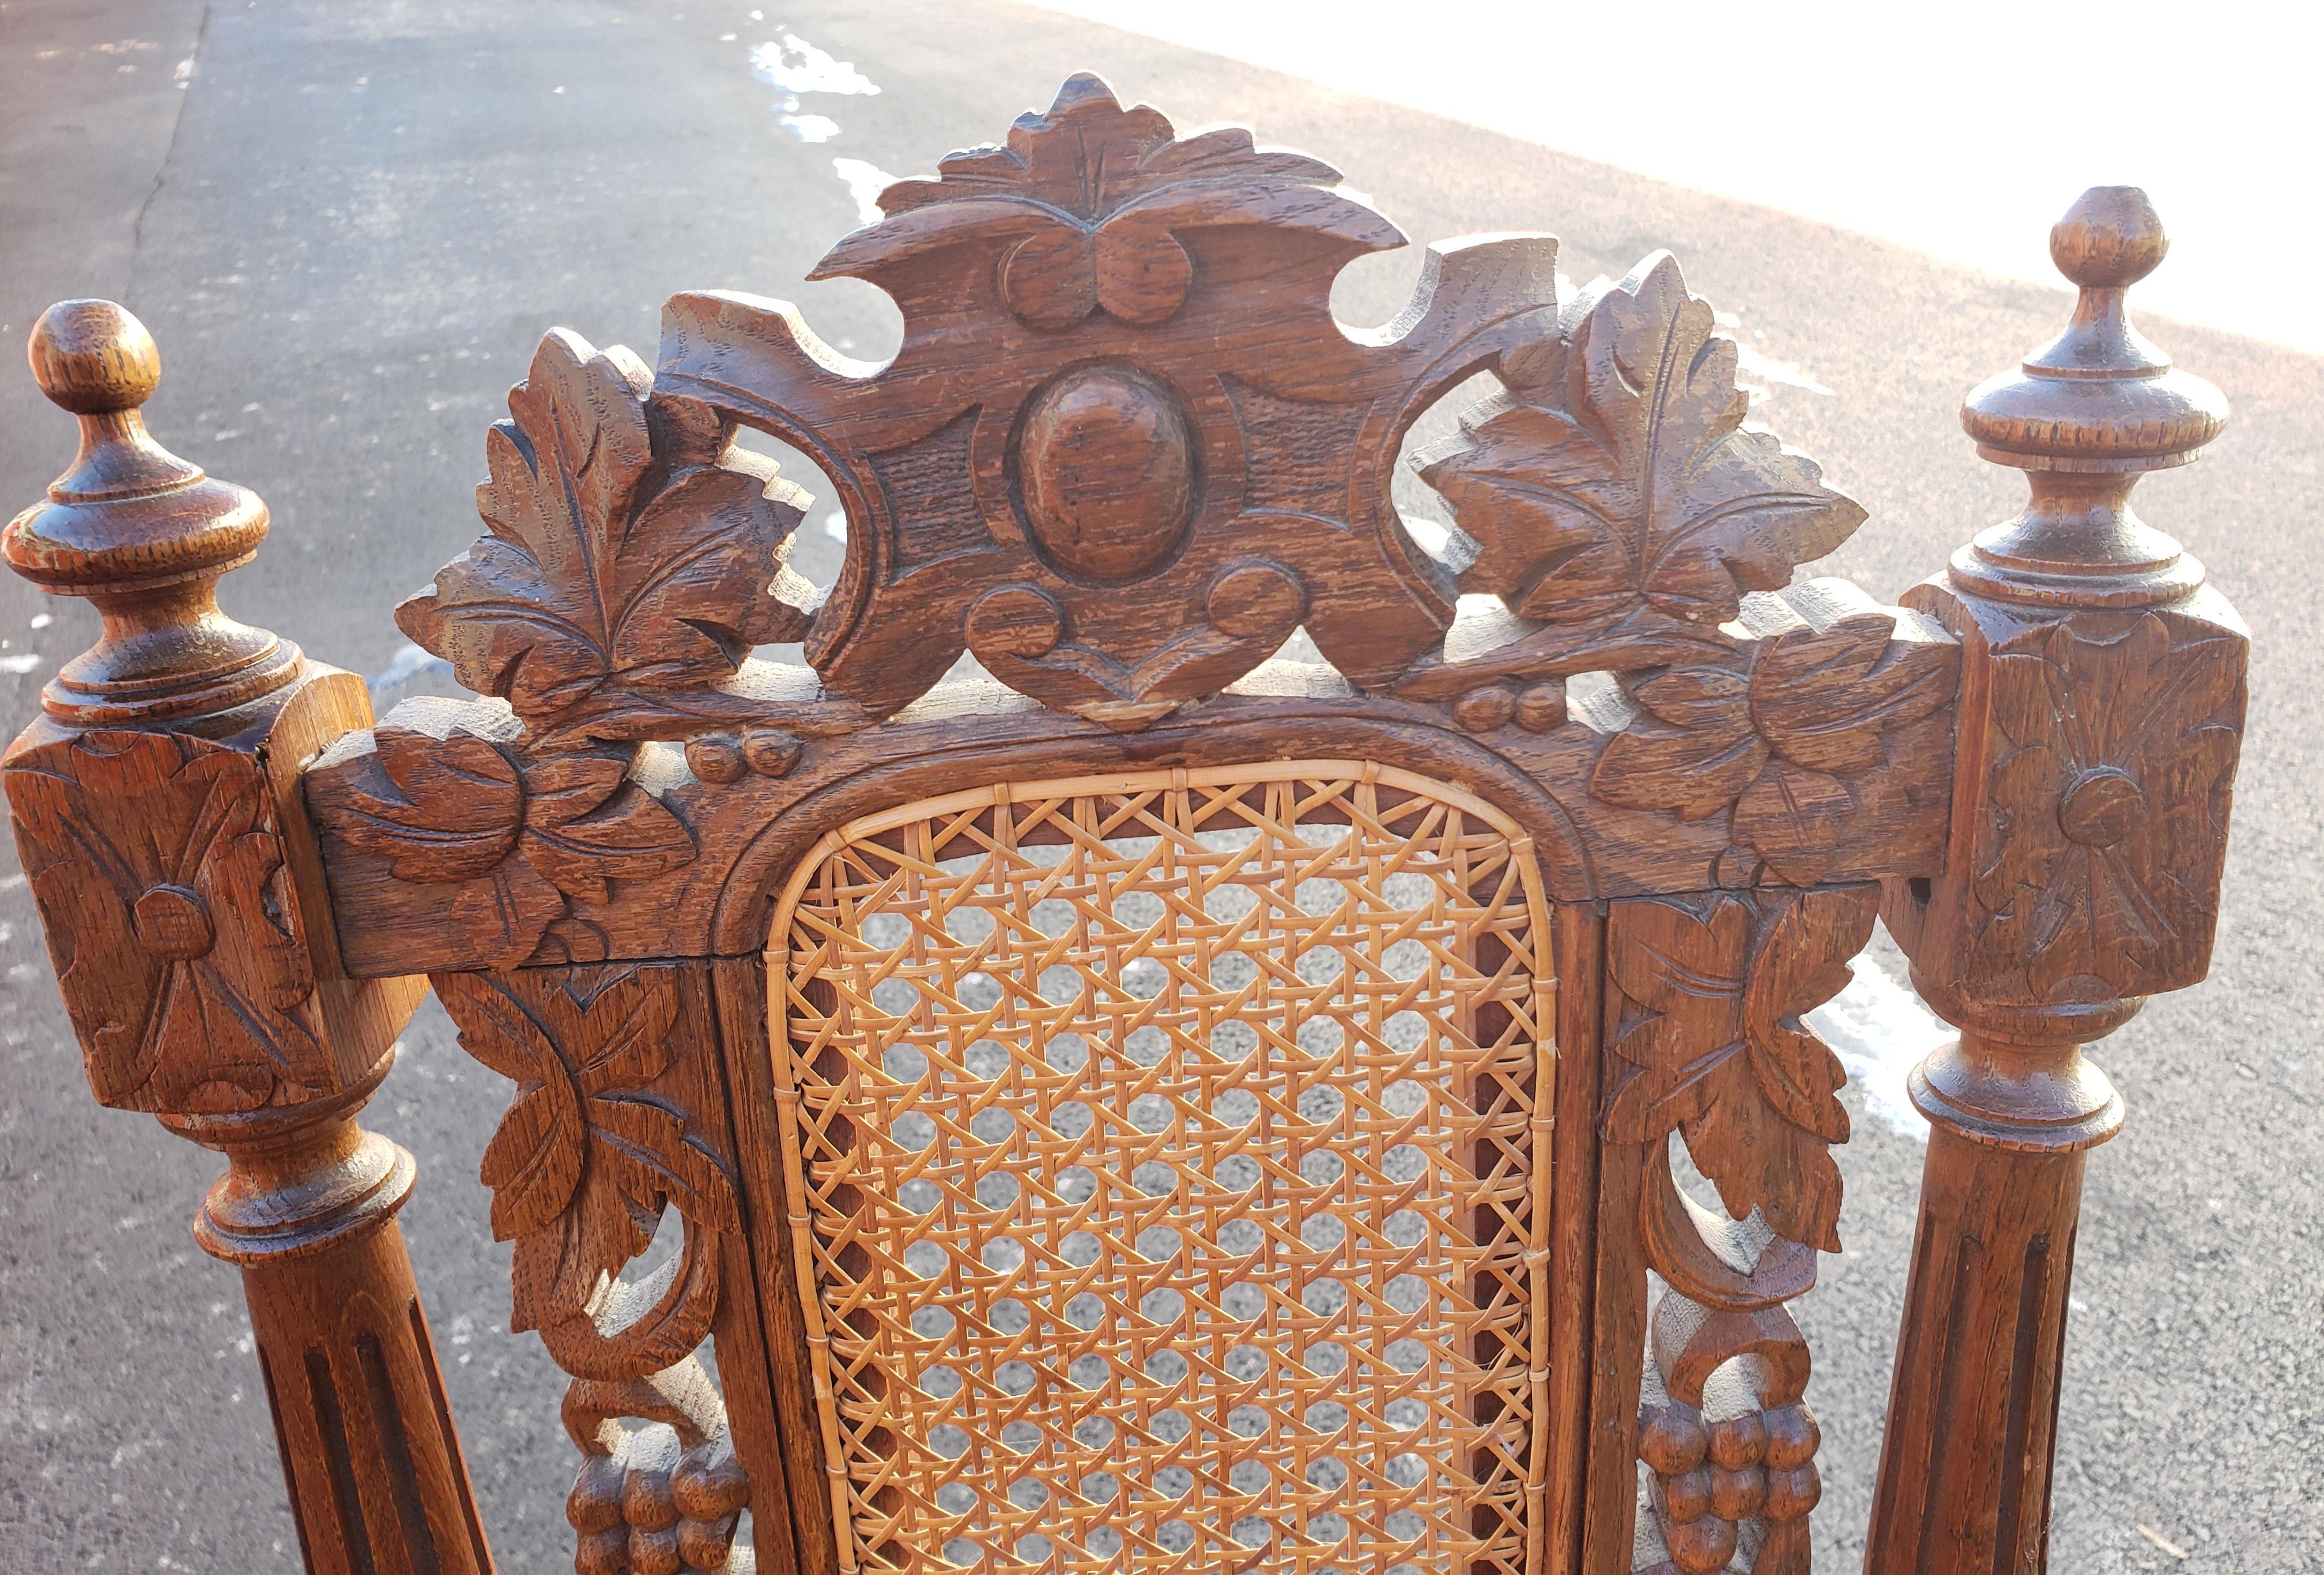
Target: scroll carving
[1714, 989]
[587, 1158]
[1090, 202]
[1123, 453]
[1152, 357]
[179, 949]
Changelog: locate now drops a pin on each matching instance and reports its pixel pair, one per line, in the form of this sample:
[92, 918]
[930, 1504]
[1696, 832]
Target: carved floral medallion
[2105, 820]
[158, 871]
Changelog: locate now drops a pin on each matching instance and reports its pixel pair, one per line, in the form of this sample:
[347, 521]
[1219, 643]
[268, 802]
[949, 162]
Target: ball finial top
[94, 358]
[2110, 238]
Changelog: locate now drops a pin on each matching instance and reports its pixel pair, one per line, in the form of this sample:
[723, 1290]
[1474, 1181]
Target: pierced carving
[587, 1157]
[635, 557]
[1715, 988]
[160, 875]
[2104, 824]
[1135, 299]
[1120, 506]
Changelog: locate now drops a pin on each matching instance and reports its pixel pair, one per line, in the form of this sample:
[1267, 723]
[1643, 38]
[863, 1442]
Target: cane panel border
[1161, 1149]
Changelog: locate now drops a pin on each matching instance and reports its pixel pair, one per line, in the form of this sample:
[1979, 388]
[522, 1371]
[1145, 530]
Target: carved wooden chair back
[1148, 1099]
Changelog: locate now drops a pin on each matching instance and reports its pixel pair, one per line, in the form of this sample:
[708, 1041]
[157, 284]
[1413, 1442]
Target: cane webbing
[1162, 1151]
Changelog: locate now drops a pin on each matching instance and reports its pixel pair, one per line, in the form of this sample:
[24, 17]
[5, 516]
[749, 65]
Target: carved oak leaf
[1720, 1051]
[158, 872]
[466, 803]
[1614, 479]
[1088, 197]
[630, 560]
[586, 1158]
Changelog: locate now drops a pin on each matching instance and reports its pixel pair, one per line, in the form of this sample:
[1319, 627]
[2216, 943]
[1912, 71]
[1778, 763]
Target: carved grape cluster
[1711, 1476]
[654, 1507]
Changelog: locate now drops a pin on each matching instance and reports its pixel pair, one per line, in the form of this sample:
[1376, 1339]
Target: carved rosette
[158, 870]
[2102, 828]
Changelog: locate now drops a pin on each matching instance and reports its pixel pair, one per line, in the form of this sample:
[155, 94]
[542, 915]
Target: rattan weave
[1162, 1157]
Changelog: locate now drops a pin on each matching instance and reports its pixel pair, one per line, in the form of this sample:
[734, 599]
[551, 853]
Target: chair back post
[156, 807]
[2101, 708]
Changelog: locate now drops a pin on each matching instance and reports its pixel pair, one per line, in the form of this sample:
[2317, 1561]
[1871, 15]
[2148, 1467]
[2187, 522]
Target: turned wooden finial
[2084, 416]
[142, 535]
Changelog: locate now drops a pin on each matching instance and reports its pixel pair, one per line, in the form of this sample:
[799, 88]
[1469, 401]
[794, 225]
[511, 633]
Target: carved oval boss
[1105, 474]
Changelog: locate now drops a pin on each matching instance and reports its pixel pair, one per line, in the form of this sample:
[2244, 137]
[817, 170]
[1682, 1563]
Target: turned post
[156, 807]
[2102, 702]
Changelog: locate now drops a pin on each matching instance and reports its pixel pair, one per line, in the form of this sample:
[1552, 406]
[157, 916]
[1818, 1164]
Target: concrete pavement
[350, 225]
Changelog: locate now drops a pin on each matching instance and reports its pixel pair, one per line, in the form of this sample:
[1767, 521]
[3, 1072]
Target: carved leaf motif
[1720, 1052]
[583, 1135]
[159, 873]
[1779, 734]
[461, 809]
[1616, 479]
[1693, 750]
[1089, 198]
[585, 823]
[1793, 818]
[576, 822]
[1825, 698]
[626, 559]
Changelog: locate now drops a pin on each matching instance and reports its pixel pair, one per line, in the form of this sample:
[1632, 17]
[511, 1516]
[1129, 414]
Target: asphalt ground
[350, 225]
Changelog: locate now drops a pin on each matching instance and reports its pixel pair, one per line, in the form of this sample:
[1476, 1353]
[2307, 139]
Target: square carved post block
[156, 807]
[2101, 706]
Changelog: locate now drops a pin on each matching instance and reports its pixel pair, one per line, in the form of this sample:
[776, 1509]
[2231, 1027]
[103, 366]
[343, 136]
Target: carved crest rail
[1147, 1101]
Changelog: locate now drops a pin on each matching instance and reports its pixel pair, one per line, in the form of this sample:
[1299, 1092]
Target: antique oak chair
[1137, 1101]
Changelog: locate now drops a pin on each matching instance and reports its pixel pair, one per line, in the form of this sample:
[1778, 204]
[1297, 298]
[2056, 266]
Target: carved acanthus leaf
[632, 557]
[587, 1158]
[1717, 1048]
[1614, 487]
[158, 871]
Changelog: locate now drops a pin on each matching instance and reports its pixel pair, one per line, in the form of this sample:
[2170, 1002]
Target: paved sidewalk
[350, 225]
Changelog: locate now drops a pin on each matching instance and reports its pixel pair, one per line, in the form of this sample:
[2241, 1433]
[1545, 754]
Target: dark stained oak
[1109, 1062]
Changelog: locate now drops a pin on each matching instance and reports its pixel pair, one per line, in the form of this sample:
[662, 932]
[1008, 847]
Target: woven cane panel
[1166, 1151]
